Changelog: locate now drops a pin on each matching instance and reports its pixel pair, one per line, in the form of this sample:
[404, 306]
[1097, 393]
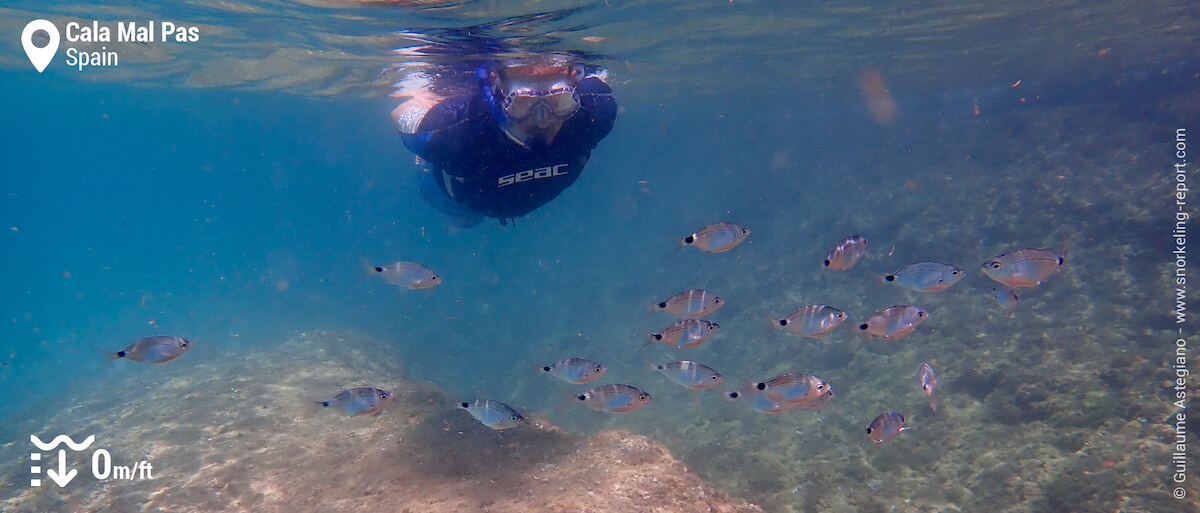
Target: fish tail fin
[367, 267]
[650, 340]
[650, 365]
[772, 323]
[568, 398]
[675, 250]
[536, 368]
[1062, 251]
[105, 358]
[933, 404]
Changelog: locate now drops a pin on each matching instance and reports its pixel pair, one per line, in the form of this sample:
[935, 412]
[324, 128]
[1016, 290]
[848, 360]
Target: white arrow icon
[62, 477]
[40, 57]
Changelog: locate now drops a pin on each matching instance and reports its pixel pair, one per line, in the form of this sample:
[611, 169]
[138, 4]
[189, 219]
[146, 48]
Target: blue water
[241, 212]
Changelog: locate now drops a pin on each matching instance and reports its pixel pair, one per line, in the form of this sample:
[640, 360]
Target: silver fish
[926, 276]
[813, 321]
[684, 334]
[1024, 267]
[153, 350]
[927, 380]
[493, 413]
[1006, 296]
[409, 275]
[793, 388]
[717, 238]
[894, 322]
[819, 401]
[846, 253]
[691, 303]
[687, 374]
[886, 426]
[614, 398]
[359, 401]
[575, 371]
[758, 401]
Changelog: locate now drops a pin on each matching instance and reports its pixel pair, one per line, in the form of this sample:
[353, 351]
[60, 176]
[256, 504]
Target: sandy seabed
[239, 434]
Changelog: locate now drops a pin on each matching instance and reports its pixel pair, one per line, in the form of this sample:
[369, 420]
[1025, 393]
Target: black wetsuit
[478, 166]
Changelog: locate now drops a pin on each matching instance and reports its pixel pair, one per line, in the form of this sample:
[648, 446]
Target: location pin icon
[40, 57]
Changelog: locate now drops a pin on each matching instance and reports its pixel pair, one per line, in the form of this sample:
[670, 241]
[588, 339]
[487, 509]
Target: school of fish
[1012, 271]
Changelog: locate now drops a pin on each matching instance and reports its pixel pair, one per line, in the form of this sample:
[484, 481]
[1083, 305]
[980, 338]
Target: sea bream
[409, 275]
[886, 426]
[688, 374]
[813, 321]
[846, 253]
[153, 350]
[793, 388]
[1006, 296]
[575, 371]
[1024, 267]
[717, 238]
[894, 322]
[690, 304]
[614, 398]
[758, 401]
[927, 380]
[492, 413]
[926, 276]
[359, 401]
[684, 334]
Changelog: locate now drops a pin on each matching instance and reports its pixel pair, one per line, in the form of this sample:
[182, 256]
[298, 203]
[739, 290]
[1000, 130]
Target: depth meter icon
[61, 477]
[40, 57]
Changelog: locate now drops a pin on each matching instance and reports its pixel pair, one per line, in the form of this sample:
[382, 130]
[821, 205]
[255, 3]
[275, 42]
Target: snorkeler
[514, 143]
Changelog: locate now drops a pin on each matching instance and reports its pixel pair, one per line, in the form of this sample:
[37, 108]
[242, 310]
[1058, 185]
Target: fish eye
[662, 305]
[514, 418]
[714, 377]
[868, 431]
[581, 397]
[996, 265]
[599, 369]
[643, 397]
[826, 262]
[760, 386]
[689, 239]
[465, 405]
[920, 314]
[745, 230]
[863, 326]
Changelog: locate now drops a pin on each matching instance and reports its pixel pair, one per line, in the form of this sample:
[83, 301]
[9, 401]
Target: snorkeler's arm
[444, 133]
[597, 101]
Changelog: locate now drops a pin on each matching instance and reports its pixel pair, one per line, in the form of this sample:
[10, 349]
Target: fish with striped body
[359, 401]
[688, 374]
[894, 322]
[153, 350]
[575, 371]
[812, 321]
[847, 253]
[409, 275]
[927, 380]
[691, 304]
[684, 334]
[1006, 297]
[793, 388]
[717, 238]
[1023, 268]
[926, 276]
[886, 426]
[758, 401]
[492, 413]
[614, 398]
